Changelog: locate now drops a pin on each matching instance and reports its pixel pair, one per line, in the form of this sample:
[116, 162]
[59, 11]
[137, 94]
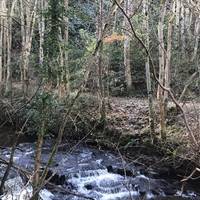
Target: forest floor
[128, 118]
[128, 115]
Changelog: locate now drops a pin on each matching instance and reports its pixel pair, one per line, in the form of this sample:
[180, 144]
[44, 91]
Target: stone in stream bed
[55, 178]
[89, 187]
[120, 171]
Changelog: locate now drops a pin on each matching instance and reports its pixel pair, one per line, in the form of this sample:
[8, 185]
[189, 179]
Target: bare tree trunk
[161, 48]
[10, 12]
[27, 35]
[99, 60]
[168, 57]
[178, 34]
[178, 7]
[1, 51]
[38, 153]
[160, 92]
[196, 35]
[23, 40]
[127, 44]
[64, 76]
[148, 73]
[66, 56]
[110, 58]
[187, 20]
[5, 48]
[3, 11]
[41, 27]
[183, 24]
[8, 64]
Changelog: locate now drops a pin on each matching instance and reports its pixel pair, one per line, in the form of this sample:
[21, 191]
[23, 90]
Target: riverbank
[125, 133]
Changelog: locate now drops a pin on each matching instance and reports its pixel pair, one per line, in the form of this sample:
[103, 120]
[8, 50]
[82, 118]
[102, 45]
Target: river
[89, 172]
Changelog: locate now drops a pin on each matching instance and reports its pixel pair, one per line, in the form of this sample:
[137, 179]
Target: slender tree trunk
[161, 48]
[64, 76]
[4, 49]
[23, 40]
[110, 57]
[4, 13]
[10, 12]
[160, 92]
[178, 35]
[28, 17]
[8, 64]
[38, 154]
[99, 61]
[178, 7]
[1, 51]
[168, 57]
[41, 27]
[148, 73]
[66, 56]
[2, 10]
[182, 24]
[196, 35]
[188, 23]
[127, 43]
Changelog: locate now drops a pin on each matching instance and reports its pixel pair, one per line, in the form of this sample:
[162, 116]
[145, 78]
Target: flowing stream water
[89, 172]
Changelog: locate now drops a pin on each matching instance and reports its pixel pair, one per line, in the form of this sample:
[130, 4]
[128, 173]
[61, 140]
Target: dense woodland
[71, 70]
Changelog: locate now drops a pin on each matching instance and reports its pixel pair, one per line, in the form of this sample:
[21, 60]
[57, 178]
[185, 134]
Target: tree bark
[1, 51]
[168, 57]
[10, 13]
[38, 154]
[148, 73]
[28, 17]
[99, 29]
[182, 28]
[160, 92]
[196, 35]
[178, 34]
[127, 43]
[41, 28]
[64, 76]
[3, 11]
[66, 56]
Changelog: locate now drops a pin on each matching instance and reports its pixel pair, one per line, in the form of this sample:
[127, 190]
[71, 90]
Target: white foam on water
[143, 177]
[15, 190]
[189, 194]
[110, 186]
[149, 195]
[120, 195]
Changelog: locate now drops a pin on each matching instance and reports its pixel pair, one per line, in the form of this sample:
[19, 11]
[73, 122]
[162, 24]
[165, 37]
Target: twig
[191, 175]
[189, 82]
